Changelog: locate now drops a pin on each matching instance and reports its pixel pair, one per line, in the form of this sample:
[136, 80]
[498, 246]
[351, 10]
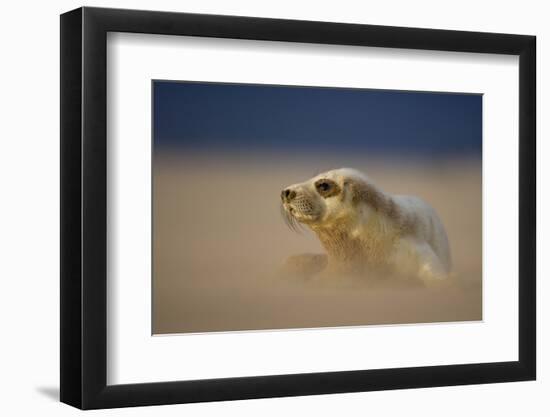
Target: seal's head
[327, 199]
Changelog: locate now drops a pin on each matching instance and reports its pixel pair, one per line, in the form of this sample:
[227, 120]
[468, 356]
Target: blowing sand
[219, 242]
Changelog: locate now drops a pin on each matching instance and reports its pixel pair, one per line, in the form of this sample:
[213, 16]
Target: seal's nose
[287, 195]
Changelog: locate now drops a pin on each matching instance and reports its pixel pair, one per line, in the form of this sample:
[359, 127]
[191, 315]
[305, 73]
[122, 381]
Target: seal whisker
[289, 220]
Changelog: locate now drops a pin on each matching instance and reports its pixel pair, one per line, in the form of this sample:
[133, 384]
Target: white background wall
[29, 210]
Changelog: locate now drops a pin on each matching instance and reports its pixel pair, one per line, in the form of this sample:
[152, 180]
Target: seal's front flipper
[305, 265]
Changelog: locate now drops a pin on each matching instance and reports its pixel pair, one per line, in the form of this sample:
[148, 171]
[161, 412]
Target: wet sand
[219, 243]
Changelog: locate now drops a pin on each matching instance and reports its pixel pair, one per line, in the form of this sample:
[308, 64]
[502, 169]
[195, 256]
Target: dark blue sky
[243, 117]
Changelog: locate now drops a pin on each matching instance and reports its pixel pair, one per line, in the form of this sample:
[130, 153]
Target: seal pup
[364, 230]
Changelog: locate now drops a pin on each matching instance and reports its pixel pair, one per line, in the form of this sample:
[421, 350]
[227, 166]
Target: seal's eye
[327, 188]
[323, 186]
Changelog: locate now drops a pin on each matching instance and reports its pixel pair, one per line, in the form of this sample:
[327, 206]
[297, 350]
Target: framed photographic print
[258, 208]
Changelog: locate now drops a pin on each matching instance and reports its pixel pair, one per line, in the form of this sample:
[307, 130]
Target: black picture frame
[84, 207]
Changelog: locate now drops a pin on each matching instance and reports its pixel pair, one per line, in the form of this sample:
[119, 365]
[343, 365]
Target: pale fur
[366, 230]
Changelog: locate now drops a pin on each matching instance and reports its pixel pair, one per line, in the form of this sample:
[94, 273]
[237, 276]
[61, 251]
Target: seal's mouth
[289, 219]
[298, 212]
